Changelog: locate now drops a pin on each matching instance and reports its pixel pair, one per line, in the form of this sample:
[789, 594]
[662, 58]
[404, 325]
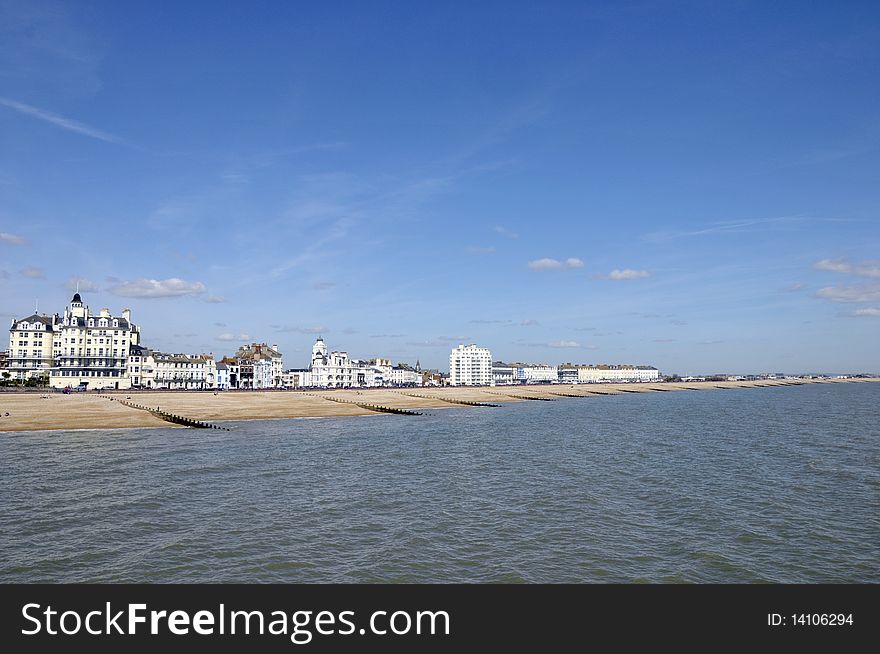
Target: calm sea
[745, 485]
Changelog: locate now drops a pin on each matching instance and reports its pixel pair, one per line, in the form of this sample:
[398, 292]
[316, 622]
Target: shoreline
[29, 412]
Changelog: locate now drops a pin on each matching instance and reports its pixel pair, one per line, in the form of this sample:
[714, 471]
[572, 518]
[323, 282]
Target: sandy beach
[56, 411]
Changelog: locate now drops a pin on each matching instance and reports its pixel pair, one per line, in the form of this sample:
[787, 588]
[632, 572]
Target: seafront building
[470, 365]
[569, 373]
[503, 374]
[260, 366]
[31, 346]
[77, 348]
[336, 369]
[615, 373]
[162, 370]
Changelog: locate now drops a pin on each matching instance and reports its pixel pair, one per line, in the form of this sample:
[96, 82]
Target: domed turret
[76, 299]
[319, 352]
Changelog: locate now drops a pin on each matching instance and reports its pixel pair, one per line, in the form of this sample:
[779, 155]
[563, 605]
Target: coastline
[55, 411]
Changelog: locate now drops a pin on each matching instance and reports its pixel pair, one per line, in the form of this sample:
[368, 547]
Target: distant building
[503, 374]
[184, 371]
[337, 370]
[470, 365]
[31, 346]
[617, 373]
[403, 375]
[152, 369]
[568, 374]
[297, 378]
[540, 374]
[260, 366]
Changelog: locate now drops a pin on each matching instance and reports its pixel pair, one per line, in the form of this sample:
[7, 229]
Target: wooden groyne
[565, 394]
[522, 397]
[169, 417]
[378, 408]
[449, 400]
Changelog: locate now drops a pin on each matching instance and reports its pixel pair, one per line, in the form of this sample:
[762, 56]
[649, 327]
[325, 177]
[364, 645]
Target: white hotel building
[470, 365]
[77, 349]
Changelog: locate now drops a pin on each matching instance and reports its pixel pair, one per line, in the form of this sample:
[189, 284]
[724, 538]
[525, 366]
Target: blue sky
[690, 185]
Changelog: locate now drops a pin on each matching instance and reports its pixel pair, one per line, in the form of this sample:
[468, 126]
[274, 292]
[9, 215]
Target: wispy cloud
[81, 284]
[529, 323]
[564, 344]
[228, 336]
[863, 269]
[554, 264]
[387, 335]
[60, 121]
[323, 286]
[506, 233]
[663, 340]
[33, 272]
[215, 299]
[867, 312]
[488, 322]
[155, 288]
[13, 239]
[476, 249]
[318, 329]
[724, 227]
[453, 339]
[856, 293]
[626, 273]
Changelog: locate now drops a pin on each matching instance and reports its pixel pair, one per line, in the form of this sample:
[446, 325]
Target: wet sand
[56, 411]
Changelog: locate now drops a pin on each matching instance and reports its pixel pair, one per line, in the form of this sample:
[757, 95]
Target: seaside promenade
[56, 411]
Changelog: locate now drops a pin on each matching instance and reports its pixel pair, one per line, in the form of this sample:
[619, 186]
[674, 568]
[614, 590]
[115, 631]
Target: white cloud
[59, 121]
[838, 265]
[215, 299]
[867, 312]
[233, 337]
[545, 264]
[82, 284]
[563, 344]
[555, 264]
[154, 288]
[505, 232]
[529, 323]
[857, 293]
[863, 269]
[628, 273]
[13, 239]
[33, 272]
